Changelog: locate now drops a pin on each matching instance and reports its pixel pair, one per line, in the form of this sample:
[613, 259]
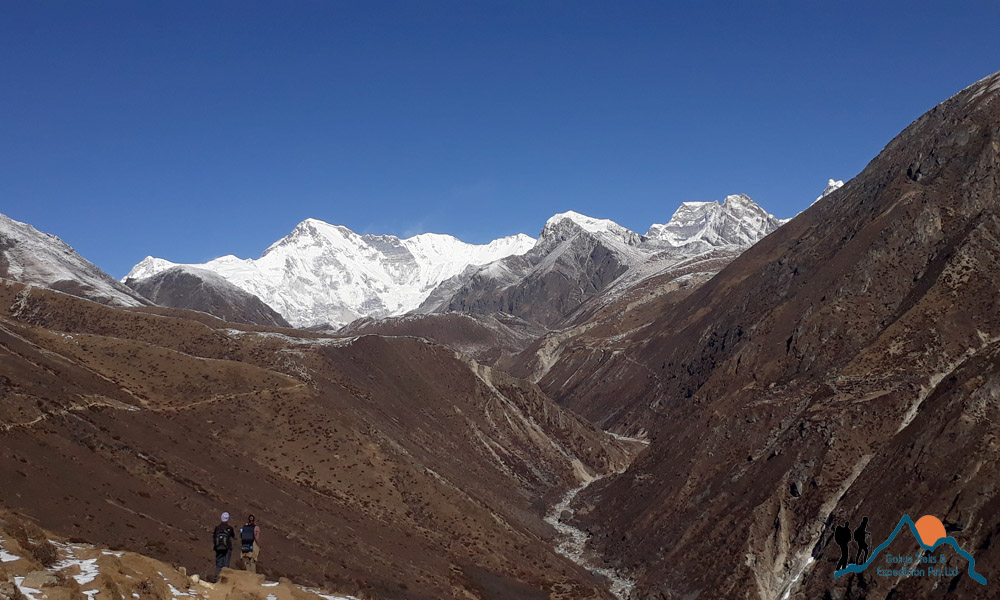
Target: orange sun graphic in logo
[930, 529]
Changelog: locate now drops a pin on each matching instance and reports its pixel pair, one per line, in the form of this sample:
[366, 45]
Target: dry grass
[150, 590]
[109, 585]
[31, 538]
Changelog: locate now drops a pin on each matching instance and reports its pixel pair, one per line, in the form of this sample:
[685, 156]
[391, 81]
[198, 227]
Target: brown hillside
[843, 366]
[388, 464]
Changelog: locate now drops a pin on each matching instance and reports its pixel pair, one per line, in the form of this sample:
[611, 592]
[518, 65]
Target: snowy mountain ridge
[327, 274]
[599, 226]
[578, 257]
[737, 221]
[322, 273]
[30, 256]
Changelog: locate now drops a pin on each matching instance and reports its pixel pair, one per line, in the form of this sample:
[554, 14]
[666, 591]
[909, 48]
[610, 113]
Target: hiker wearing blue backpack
[222, 541]
[250, 539]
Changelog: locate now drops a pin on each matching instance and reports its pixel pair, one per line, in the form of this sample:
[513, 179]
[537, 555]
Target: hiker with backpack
[222, 541]
[250, 539]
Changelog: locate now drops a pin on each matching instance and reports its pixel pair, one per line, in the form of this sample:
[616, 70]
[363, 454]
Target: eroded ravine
[573, 540]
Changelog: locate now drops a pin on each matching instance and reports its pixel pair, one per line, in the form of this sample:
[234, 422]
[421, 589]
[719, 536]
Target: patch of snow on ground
[176, 592]
[329, 596]
[88, 568]
[29, 593]
[272, 584]
[7, 556]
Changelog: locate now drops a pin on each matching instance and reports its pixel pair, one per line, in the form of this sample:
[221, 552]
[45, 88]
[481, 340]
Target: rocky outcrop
[87, 571]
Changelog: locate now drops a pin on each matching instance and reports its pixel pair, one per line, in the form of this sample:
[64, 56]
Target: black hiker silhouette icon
[859, 538]
[842, 535]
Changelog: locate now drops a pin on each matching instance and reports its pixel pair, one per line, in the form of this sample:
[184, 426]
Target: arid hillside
[391, 466]
[34, 565]
[489, 339]
[601, 334]
[846, 365]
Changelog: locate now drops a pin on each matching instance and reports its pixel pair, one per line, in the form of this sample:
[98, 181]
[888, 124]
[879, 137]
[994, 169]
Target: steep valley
[595, 414]
[843, 366]
[385, 465]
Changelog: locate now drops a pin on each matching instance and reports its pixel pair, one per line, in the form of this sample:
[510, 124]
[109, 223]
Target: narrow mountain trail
[97, 573]
[573, 540]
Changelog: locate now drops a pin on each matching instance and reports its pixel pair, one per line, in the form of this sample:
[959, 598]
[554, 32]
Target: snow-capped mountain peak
[322, 273]
[148, 267]
[327, 274]
[560, 224]
[831, 186]
[741, 201]
[737, 221]
[587, 223]
[687, 220]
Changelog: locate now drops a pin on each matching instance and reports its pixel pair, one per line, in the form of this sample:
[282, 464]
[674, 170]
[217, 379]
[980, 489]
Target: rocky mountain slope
[578, 257]
[575, 257]
[596, 337]
[326, 275]
[322, 274]
[388, 465]
[30, 256]
[198, 289]
[34, 565]
[738, 221]
[846, 365]
[489, 339]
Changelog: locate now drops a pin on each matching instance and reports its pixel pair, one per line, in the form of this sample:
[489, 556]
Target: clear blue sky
[188, 130]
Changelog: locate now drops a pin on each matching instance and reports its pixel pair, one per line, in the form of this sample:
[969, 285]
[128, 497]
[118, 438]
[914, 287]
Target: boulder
[37, 580]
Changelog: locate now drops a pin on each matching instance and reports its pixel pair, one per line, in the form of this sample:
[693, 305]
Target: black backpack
[222, 540]
[247, 536]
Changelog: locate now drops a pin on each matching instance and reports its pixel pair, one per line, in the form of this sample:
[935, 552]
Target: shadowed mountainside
[205, 291]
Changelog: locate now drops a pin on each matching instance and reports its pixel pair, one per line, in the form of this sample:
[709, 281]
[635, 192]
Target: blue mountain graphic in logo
[950, 541]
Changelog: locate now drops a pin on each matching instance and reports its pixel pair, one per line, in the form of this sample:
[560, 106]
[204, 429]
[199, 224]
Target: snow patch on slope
[586, 223]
